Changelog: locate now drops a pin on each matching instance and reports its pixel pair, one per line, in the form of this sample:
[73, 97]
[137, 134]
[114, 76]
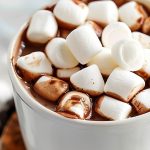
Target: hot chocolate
[78, 60]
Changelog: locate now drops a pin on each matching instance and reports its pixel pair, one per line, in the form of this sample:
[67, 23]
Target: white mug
[44, 129]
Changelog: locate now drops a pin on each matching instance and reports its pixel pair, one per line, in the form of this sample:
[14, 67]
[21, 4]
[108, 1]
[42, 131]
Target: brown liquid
[24, 47]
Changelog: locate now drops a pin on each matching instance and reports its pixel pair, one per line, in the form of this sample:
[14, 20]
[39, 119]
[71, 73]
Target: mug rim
[36, 106]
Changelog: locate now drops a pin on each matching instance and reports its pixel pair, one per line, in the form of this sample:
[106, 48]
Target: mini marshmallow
[88, 80]
[66, 73]
[146, 3]
[104, 61]
[98, 29]
[115, 32]
[76, 103]
[71, 13]
[103, 12]
[141, 102]
[34, 65]
[50, 88]
[146, 26]
[133, 14]
[144, 72]
[112, 109]
[128, 54]
[123, 84]
[59, 54]
[83, 43]
[42, 28]
[142, 38]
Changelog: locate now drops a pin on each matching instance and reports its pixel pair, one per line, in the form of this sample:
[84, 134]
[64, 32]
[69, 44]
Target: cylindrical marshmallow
[59, 54]
[142, 38]
[103, 12]
[133, 14]
[88, 80]
[71, 13]
[112, 109]
[141, 102]
[76, 103]
[115, 32]
[123, 84]
[128, 54]
[66, 73]
[144, 72]
[83, 43]
[104, 61]
[50, 88]
[42, 27]
[34, 65]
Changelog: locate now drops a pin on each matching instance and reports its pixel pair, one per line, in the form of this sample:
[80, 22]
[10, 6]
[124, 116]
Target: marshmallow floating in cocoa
[115, 32]
[50, 87]
[66, 73]
[141, 101]
[70, 13]
[42, 27]
[142, 38]
[83, 43]
[103, 12]
[76, 103]
[123, 84]
[34, 65]
[128, 54]
[59, 54]
[104, 61]
[88, 80]
[112, 109]
[144, 72]
[133, 14]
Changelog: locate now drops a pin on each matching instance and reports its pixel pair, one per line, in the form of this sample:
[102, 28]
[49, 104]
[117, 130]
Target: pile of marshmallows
[113, 52]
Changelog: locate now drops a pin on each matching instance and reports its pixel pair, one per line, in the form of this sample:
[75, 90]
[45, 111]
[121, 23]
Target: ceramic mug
[43, 129]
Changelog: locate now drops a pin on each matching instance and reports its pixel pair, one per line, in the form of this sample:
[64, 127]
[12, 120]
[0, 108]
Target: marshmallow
[141, 102]
[70, 13]
[88, 80]
[50, 88]
[42, 28]
[146, 3]
[128, 54]
[104, 61]
[59, 54]
[115, 32]
[103, 12]
[133, 14]
[83, 43]
[34, 65]
[76, 103]
[144, 72]
[112, 109]
[146, 26]
[123, 85]
[142, 38]
[98, 29]
[66, 73]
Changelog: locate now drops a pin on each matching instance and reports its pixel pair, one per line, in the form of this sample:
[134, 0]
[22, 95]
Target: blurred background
[13, 13]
